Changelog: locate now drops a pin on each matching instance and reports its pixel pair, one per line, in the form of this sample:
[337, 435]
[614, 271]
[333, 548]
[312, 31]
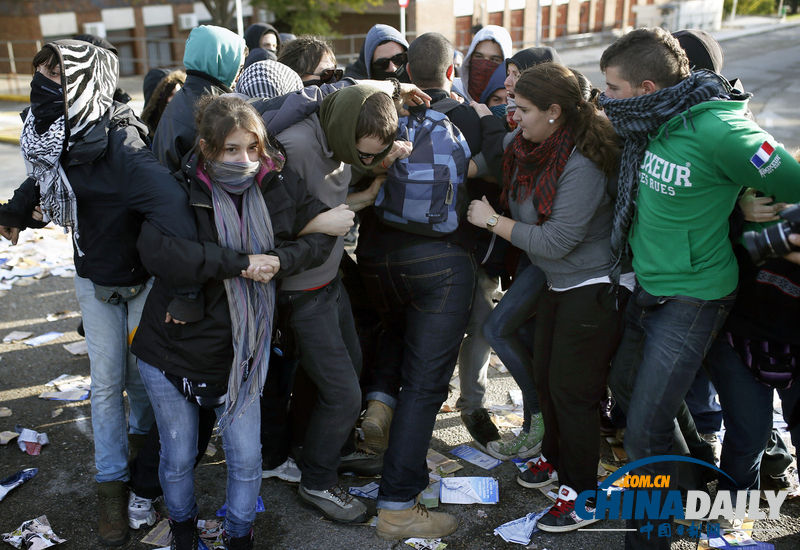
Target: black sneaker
[362, 462]
[238, 543]
[538, 474]
[784, 481]
[335, 503]
[562, 517]
[480, 426]
[184, 534]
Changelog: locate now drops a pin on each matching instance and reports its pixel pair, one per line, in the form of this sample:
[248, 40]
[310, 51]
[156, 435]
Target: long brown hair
[152, 112]
[218, 116]
[550, 83]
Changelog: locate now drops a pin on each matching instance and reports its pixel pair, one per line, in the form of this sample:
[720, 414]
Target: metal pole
[733, 10]
[239, 20]
[403, 22]
[539, 23]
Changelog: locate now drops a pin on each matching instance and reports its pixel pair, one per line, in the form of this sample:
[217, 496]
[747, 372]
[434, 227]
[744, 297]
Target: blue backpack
[424, 193]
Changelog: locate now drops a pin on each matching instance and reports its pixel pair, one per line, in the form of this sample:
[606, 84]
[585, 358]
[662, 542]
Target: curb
[17, 98]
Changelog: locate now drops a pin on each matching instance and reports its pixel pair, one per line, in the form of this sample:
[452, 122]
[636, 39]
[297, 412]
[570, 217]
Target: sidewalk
[14, 90]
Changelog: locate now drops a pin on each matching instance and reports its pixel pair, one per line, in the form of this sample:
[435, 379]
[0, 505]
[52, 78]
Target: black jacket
[202, 349]
[177, 130]
[118, 184]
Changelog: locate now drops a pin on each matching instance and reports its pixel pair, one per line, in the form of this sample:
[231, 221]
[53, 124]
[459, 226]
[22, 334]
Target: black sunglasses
[363, 156]
[382, 63]
[329, 76]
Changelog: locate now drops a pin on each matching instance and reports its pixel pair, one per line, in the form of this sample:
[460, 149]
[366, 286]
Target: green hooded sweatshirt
[689, 181]
[338, 116]
[214, 51]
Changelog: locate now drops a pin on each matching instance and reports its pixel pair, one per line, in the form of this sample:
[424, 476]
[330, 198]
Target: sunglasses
[364, 156]
[329, 76]
[382, 63]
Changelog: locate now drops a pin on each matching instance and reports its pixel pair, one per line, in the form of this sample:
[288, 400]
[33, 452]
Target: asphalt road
[64, 489]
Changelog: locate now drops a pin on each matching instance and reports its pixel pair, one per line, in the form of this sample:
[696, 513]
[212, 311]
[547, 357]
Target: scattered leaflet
[16, 336]
[31, 441]
[469, 490]
[426, 544]
[33, 535]
[43, 338]
[440, 464]
[77, 348]
[520, 530]
[370, 490]
[14, 481]
[68, 387]
[474, 456]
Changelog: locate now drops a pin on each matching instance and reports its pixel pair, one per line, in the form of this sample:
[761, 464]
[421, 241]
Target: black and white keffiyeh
[89, 77]
[268, 79]
[635, 119]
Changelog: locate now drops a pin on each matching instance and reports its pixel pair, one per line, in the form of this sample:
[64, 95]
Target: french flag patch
[762, 155]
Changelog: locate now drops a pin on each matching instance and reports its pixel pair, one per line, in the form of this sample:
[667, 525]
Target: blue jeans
[177, 420]
[747, 412]
[702, 403]
[502, 332]
[423, 293]
[113, 370]
[662, 348]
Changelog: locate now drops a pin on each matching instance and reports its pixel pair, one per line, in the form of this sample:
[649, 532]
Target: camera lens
[769, 243]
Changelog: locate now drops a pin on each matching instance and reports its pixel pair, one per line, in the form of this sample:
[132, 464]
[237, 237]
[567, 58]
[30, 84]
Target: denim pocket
[428, 291]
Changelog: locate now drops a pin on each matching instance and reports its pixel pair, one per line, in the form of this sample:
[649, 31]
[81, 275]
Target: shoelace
[561, 507]
[421, 509]
[339, 493]
[140, 502]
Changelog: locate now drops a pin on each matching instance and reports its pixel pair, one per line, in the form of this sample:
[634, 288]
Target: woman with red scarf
[555, 176]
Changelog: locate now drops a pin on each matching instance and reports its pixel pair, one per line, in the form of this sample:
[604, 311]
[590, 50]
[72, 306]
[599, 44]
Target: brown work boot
[112, 513]
[415, 522]
[375, 425]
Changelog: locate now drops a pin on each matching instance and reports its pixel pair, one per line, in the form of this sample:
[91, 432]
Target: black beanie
[151, 80]
[702, 49]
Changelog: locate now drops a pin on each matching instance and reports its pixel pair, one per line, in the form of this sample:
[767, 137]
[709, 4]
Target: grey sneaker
[288, 471]
[140, 511]
[335, 503]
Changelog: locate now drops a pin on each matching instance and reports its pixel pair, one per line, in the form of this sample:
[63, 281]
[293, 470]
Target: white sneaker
[140, 511]
[288, 471]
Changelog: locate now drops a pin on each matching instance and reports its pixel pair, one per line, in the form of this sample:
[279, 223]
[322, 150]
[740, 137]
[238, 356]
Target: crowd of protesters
[215, 288]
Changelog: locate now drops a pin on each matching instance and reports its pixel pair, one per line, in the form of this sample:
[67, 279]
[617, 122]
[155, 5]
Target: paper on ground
[440, 464]
[6, 436]
[370, 490]
[31, 441]
[474, 456]
[77, 348]
[16, 336]
[43, 338]
[469, 490]
[426, 544]
[15, 480]
[5, 411]
[519, 531]
[34, 533]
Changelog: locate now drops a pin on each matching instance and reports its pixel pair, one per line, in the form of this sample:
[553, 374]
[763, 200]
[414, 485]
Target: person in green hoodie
[688, 151]
[213, 58]
[355, 129]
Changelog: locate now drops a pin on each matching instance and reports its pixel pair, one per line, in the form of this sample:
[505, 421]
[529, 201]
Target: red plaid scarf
[537, 168]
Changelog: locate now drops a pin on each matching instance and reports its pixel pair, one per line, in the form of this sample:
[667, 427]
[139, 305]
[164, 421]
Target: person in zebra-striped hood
[95, 175]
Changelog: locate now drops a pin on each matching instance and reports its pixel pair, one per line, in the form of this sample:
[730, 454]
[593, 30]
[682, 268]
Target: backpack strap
[445, 105]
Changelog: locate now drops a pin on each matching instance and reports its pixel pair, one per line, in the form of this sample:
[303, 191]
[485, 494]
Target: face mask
[47, 102]
[499, 111]
[233, 177]
[480, 71]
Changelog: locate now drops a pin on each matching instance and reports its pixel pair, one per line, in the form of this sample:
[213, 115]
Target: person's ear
[408, 71]
[450, 72]
[554, 111]
[203, 144]
[648, 87]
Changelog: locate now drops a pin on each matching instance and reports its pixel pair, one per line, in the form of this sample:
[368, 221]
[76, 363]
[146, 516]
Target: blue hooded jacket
[496, 82]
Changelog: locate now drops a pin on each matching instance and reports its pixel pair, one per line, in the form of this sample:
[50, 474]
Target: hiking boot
[416, 521]
[140, 511]
[538, 474]
[238, 543]
[375, 426]
[288, 471]
[525, 445]
[184, 534]
[561, 516]
[112, 511]
[480, 426]
[784, 481]
[361, 463]
[335, 503]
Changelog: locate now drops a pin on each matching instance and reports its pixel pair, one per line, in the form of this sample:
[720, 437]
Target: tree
[222, 12]
[311, 16]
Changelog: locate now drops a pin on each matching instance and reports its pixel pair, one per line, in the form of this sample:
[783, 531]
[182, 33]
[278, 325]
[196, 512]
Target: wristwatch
[492, 221]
